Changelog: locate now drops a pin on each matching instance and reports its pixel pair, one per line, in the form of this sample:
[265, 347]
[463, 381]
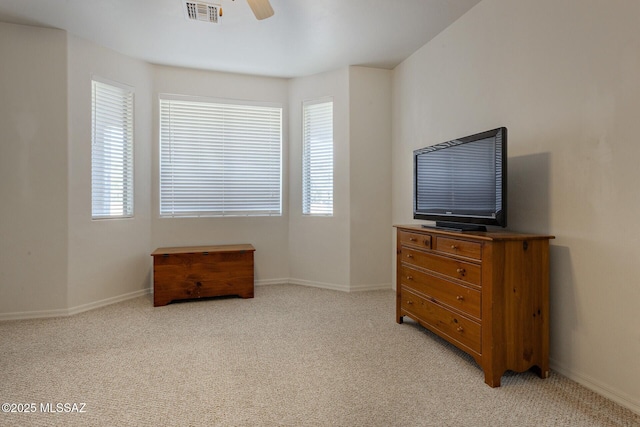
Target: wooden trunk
[486, 293]
[202, 271]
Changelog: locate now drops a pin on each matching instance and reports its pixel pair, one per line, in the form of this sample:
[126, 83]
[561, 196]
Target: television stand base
[455, 226]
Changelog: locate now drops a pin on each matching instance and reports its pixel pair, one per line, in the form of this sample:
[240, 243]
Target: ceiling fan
[261, 8]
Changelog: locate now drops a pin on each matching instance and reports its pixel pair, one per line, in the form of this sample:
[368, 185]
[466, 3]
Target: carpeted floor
[292, 356]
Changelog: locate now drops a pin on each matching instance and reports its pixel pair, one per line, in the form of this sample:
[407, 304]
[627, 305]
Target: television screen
[462, 180]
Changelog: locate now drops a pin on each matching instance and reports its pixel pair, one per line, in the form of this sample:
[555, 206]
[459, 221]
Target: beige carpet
[292, 356]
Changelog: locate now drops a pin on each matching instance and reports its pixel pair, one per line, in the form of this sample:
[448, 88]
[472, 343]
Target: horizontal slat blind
[219, 159]
[317, 158]
[111, 151]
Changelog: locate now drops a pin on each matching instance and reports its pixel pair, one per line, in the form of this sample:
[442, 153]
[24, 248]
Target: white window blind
[111, 151]
[219, 159]
[317, 158]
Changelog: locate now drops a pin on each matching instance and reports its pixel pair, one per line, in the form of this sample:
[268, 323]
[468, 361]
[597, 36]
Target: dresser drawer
[459, 247]
[450, 267]
[453, 326]
[415, 239]
[462, 298]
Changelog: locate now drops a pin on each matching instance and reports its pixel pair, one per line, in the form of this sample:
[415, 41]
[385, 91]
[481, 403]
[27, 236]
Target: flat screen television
[462, 184]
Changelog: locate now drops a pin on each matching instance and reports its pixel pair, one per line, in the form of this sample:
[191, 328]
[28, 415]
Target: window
[219, 158]
[317, 158]
[111, 150]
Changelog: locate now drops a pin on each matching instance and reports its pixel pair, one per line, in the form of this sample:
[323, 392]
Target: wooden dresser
[485, 292]
[202, 271]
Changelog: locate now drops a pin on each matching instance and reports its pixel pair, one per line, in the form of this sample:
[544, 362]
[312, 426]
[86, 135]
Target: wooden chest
[202, 271]
[486, 293]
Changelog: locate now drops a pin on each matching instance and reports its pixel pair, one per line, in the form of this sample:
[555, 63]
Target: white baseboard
[343, 288]
[40, 314]
[322, 285]
[108, 301]
[271, 282]
[376, 287]
[610, 393]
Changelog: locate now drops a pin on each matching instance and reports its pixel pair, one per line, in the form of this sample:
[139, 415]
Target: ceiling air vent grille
[201, 11]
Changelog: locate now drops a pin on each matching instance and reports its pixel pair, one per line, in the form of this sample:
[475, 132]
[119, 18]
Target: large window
[219, 158]
[111, 150]
[317, 158]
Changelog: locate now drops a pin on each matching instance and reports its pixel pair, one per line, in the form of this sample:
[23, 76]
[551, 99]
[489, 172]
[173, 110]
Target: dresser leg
[491, 378]
[541, 371]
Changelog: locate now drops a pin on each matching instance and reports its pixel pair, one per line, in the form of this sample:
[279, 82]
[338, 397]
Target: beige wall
[55, 259]
[349, 250]
[370, 177]
[319, 245]
[564, 77]
[33, 169]
[108, 259]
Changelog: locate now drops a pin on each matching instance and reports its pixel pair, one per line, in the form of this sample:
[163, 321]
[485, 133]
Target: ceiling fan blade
[261, 8]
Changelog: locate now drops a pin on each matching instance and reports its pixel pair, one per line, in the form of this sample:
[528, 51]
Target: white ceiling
[304, 37]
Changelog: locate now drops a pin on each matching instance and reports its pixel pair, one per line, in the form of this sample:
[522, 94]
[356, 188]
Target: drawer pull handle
[461, 271]
[413, 239]
[409, 302]
[454, 247]
[409, 277]
[460, 298]
[460, 329]
[409, 256]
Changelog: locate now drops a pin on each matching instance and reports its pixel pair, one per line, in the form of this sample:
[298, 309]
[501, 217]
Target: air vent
[202, 11]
